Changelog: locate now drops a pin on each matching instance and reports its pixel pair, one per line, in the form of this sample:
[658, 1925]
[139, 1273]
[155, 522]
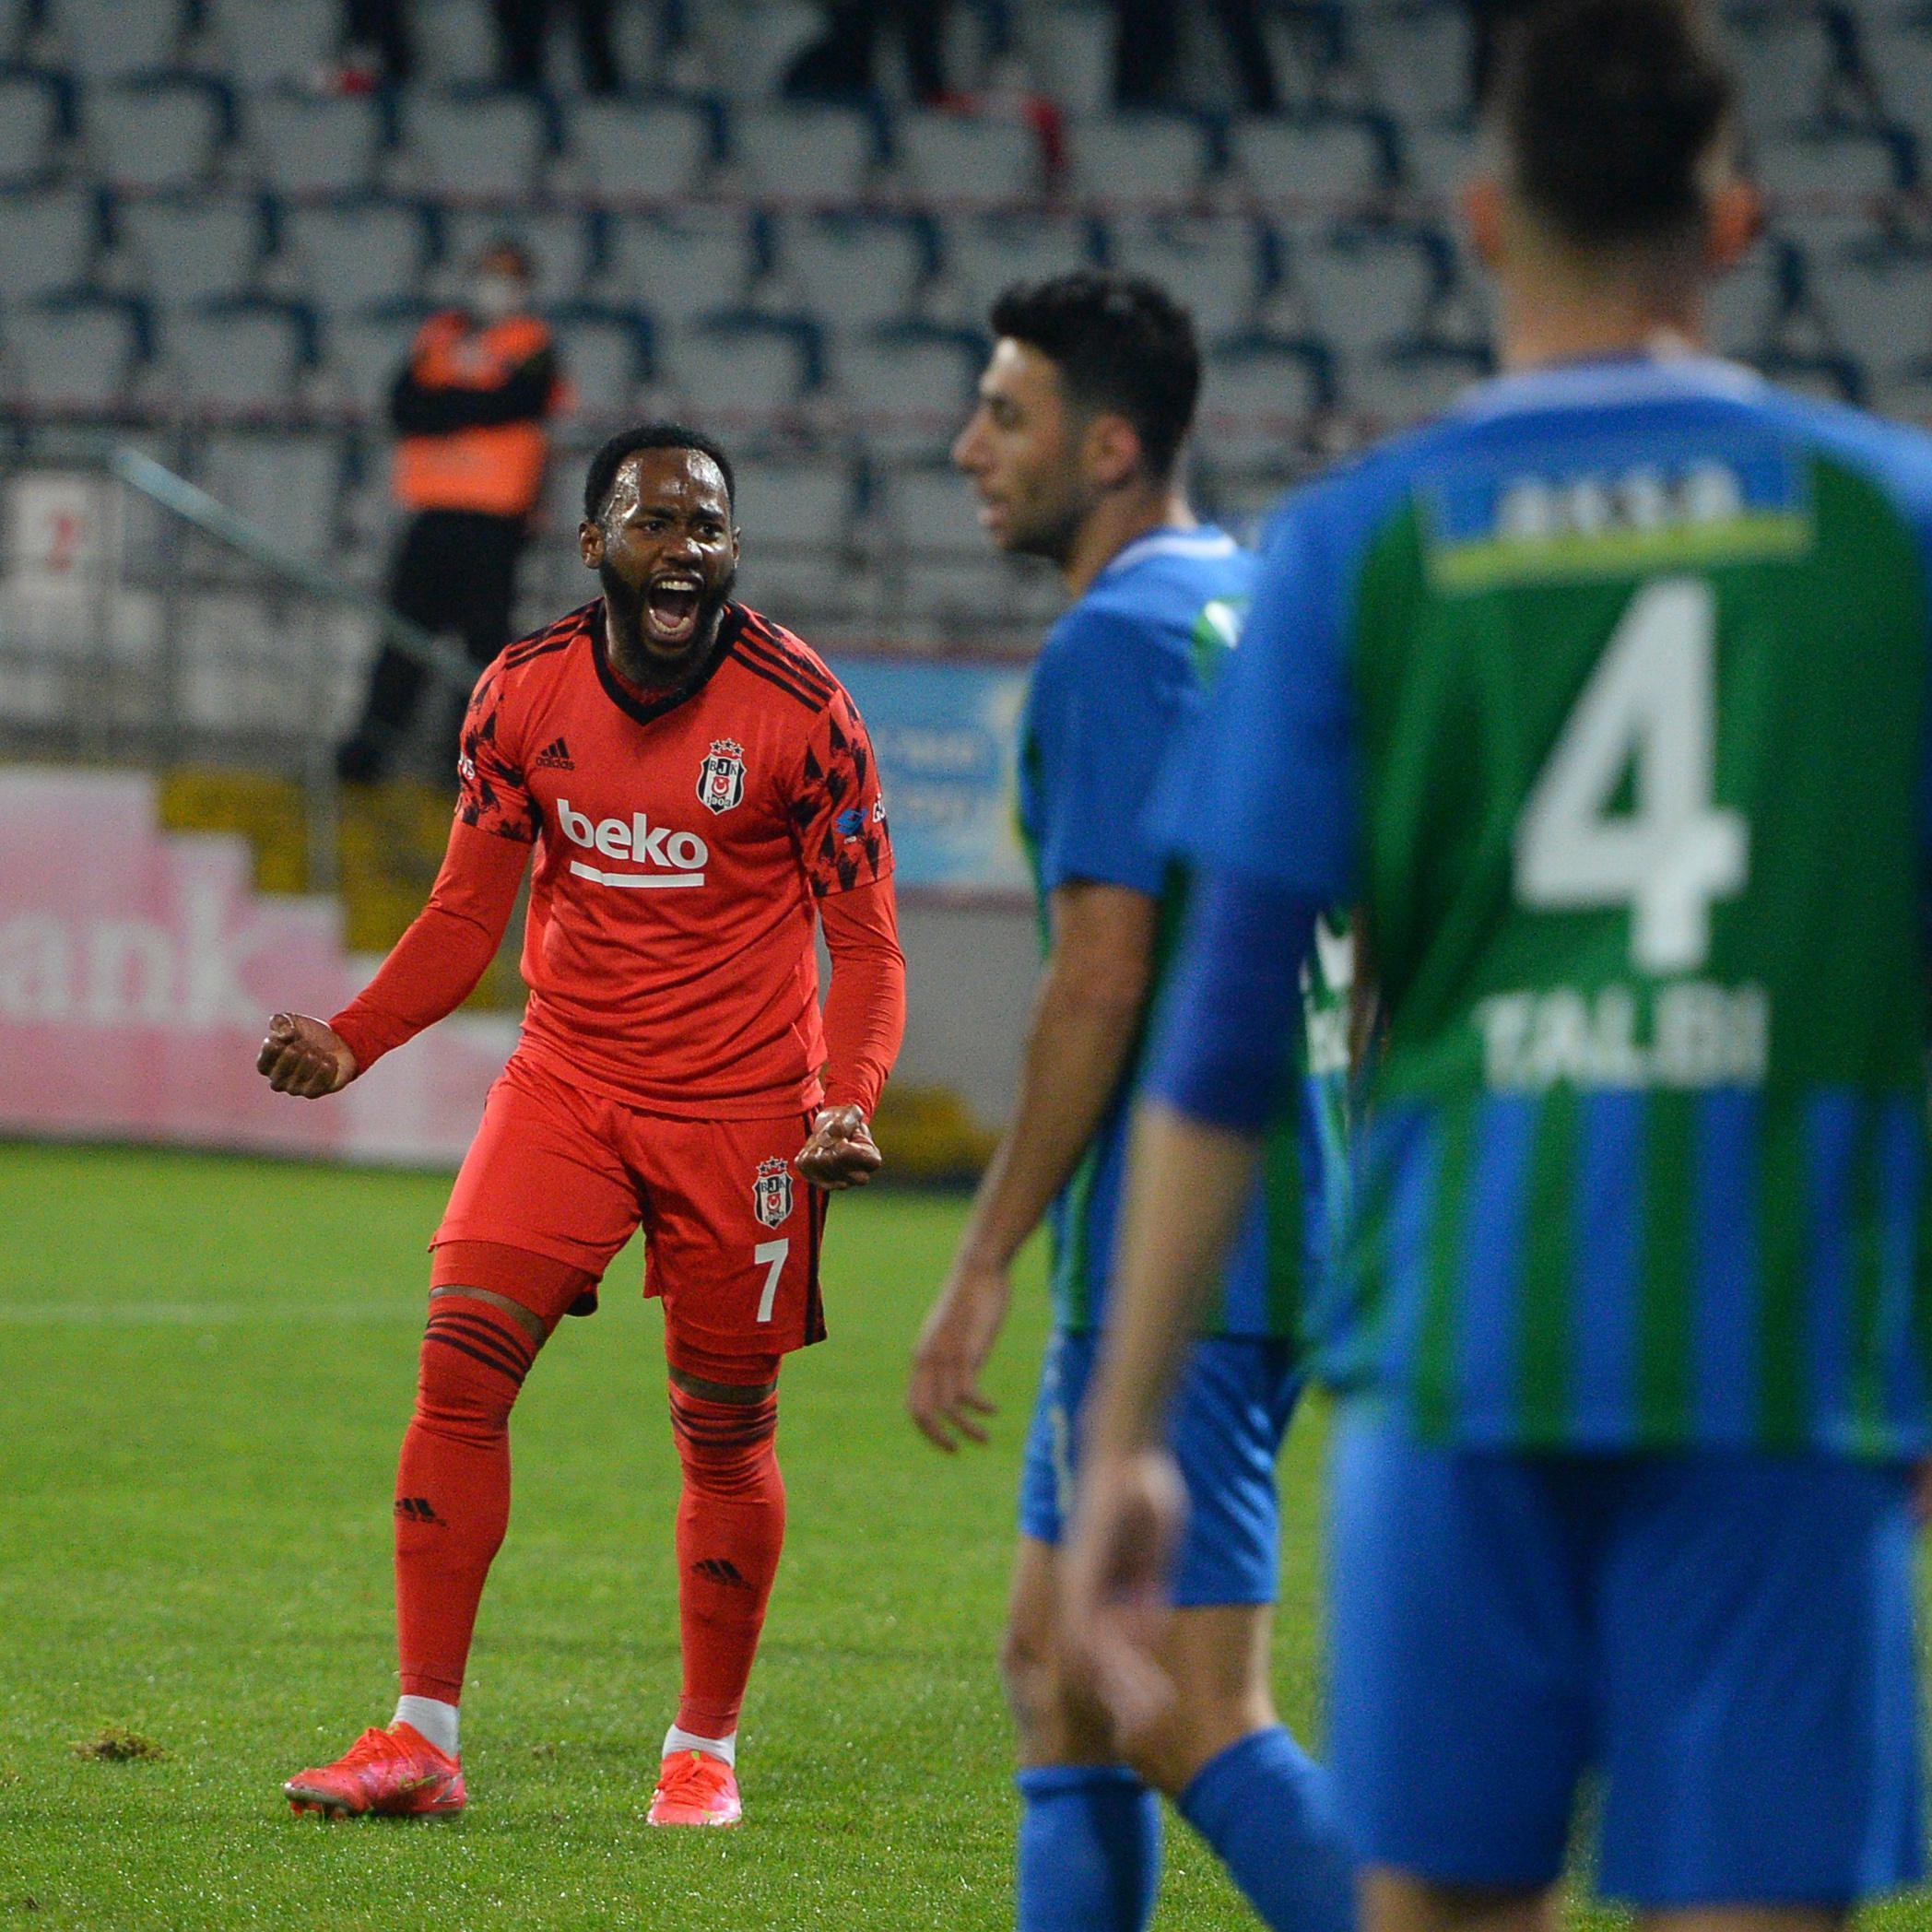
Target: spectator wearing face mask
[469, 407]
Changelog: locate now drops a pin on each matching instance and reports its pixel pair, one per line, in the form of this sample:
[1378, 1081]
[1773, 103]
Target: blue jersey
[1121, 677]
[1605, 696]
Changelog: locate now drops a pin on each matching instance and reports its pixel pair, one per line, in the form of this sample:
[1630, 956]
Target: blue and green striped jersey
[1605, 699]
[1119, 680]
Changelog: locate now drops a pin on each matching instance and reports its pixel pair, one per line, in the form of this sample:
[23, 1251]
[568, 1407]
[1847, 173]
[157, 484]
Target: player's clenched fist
[305, 1057]
[842, 1151]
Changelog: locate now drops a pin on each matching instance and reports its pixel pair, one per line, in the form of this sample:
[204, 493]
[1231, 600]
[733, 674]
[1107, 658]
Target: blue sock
[1269, 1810]
[1089, 1849]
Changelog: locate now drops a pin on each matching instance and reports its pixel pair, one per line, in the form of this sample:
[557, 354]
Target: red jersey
[683, 843]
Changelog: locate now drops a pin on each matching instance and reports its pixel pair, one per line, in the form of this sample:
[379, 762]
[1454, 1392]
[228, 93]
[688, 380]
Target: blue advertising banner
[946, 735]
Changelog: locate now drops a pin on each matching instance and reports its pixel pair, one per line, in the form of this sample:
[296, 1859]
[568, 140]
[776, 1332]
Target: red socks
[453, 1489]
[453, 1485]
[730, 1529]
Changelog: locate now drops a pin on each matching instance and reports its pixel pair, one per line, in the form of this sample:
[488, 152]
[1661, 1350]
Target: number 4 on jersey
[1649, 709]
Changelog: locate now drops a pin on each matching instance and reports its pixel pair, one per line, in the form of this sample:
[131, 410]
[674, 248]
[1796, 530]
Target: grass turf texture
[208, 1364]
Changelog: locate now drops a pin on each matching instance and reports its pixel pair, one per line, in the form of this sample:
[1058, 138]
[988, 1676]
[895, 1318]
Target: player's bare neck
[1554, 312]
[1115, 521]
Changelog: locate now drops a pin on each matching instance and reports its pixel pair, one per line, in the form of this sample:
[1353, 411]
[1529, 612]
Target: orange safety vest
[498, 469]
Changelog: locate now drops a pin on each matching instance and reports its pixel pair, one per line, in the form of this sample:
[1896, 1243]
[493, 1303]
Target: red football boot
[393, 1773]
[695, 1788]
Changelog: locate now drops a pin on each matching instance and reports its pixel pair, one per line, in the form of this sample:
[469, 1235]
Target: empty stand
[312, 144]
[624, 150]
[156, 133]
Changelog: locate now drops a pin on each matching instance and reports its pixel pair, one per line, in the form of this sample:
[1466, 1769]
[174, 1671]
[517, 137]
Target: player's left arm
[845, 848]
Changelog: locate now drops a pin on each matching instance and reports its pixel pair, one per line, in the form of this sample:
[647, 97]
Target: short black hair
[626, 443]
[1607, 110]
[1121, 344]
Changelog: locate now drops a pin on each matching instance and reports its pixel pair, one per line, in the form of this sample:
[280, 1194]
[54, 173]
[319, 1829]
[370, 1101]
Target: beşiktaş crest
[721, 778]
[772, 1193]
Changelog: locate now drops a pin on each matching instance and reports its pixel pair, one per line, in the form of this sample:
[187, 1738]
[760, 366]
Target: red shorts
[731, 1233]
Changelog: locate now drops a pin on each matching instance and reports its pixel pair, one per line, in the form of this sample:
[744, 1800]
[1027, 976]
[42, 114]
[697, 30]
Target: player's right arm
[1107, 700]
[436, 964]
[1086, 1023]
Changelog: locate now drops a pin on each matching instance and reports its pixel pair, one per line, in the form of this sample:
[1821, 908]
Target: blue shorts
[1725, 1640]
[1229, 1418]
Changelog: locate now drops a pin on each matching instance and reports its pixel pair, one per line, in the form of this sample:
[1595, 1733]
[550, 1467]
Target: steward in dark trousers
[470, 406]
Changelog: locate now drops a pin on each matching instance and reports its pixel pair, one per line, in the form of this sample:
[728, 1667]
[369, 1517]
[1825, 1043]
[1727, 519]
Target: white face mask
[495, 297]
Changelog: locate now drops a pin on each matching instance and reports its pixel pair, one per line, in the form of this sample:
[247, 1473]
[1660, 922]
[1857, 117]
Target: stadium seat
[559, 241]
[47, 241]
[1437, 161]
[796, 518]
[1881, 312]
[1371, 284]
[364, 352]
[1141, 157]
[1071, 49]
[651, 150]
[1322, 165]
[242, 354]
[1210, 263]
[266, 43]
[1814, 167]
[157, 133]
[457, 43]
[797, 504]
[289, 481]
[682, 266]
[1418, 59]
[71, 352]
[984, 253]
[853, 270]
[910, 385]
[475, 144]
[933, 511]
[193, 246]
[1419, 379]
[606, 356]
[1902, 62]
[109, 39]
[357, 250]
[313, 144]
[966, 159]
[1260, 393]
[738, 368]
[29, 124]
[804, 154]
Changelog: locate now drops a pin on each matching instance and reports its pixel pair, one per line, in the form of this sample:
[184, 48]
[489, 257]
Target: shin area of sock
[453, 1485]
[1089, 1849]
[1269, 1811]
[731, 1518]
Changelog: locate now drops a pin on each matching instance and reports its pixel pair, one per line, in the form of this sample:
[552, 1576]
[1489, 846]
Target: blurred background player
[1075, 452]
[1606, 699]
[469, 408]
[706, 799]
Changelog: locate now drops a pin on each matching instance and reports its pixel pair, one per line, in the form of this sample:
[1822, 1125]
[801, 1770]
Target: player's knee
[728, 1450]
[474, 1356]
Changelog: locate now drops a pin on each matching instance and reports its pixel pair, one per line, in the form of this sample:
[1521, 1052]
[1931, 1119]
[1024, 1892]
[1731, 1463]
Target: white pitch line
[198, 1314]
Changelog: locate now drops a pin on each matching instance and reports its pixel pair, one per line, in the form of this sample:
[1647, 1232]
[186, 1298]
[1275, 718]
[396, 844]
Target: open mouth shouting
[673, 601]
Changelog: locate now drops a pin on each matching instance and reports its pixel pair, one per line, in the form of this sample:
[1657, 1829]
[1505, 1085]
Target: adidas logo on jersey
[554, 756]
[678, 857]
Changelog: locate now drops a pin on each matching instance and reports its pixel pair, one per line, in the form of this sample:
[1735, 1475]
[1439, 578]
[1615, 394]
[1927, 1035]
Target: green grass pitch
[207, 1367]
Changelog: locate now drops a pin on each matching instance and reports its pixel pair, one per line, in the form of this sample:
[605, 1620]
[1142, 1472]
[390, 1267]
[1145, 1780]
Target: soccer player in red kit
[702, 796]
